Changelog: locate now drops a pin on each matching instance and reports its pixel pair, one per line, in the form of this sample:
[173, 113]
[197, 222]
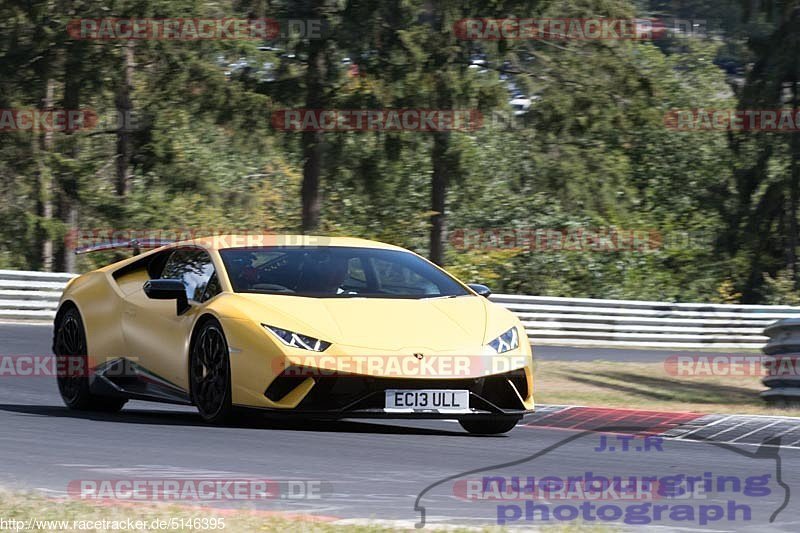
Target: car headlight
[296, 340]
[505, 342]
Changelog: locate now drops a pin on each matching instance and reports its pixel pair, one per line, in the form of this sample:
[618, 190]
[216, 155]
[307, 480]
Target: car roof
[258, 240]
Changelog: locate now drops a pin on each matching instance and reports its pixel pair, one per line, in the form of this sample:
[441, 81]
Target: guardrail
[547, 320]
[783, 363]
[631, 323]
[30, 295]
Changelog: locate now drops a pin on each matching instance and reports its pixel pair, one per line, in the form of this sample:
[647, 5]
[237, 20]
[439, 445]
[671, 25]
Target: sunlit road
[365, 470]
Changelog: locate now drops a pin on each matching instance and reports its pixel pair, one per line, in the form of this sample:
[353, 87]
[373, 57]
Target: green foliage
[781, 289]
[592, 154]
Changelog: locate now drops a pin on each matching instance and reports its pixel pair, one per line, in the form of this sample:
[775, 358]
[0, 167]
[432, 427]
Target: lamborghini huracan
[312, 327]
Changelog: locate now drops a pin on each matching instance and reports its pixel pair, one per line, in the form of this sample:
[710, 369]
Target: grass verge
[39, 513]
[648, 386]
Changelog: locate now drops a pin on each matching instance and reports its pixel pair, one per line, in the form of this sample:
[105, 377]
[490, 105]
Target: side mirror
[482, 290]
[168, 289]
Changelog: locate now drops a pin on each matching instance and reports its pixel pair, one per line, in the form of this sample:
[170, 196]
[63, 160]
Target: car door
[157, 336]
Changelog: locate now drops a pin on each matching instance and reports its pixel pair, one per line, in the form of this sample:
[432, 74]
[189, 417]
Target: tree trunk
[439, 182]
[312, 168]
[123, 108]
[68, 183]
[312, 140]
[794, 197]
[45, 184]
[442, 158]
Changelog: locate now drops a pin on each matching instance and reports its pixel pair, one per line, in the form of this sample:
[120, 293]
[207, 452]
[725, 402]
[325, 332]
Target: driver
[325, 274]
[242, 273]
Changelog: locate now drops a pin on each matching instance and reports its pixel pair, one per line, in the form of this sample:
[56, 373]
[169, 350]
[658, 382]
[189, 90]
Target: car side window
[195, 269]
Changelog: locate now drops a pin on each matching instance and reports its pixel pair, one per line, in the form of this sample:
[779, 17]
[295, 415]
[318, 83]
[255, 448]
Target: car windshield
[337, 272]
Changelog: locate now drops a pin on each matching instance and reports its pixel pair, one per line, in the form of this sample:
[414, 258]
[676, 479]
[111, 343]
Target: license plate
[427, 400]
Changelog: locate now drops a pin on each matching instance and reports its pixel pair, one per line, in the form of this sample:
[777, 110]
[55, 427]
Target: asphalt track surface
[361, 470]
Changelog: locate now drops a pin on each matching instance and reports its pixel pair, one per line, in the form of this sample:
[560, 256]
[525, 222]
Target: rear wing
[134, 244]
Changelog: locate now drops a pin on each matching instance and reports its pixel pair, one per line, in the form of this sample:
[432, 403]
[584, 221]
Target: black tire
[488, 427]
[210, 373]
[70, 347]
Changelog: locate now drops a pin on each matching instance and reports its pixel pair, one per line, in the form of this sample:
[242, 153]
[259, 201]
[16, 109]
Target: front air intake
[283, 385]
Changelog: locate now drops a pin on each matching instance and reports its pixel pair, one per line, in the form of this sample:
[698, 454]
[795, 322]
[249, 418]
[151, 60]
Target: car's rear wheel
[70, 349]
[209, 373]
[488, 427]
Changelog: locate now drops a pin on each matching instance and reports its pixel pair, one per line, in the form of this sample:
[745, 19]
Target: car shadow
[264, 422]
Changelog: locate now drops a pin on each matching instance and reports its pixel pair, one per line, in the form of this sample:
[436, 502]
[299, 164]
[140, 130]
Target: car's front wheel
[209, 373]
[70, 347]
[488, 427]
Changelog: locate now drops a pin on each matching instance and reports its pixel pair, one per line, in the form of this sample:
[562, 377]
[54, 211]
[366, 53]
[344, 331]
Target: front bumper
[357, 396]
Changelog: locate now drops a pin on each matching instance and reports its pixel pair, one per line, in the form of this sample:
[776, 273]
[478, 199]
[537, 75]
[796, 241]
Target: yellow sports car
[295, 325]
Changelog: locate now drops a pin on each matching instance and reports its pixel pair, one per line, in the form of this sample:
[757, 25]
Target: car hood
[444, 324]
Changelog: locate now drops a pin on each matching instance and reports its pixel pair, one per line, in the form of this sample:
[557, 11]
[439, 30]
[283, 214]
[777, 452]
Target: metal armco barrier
[30, 295]
[630, 323]
[558, 321]
[783, 363]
